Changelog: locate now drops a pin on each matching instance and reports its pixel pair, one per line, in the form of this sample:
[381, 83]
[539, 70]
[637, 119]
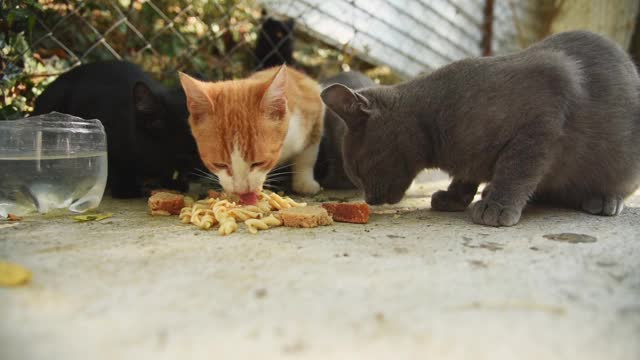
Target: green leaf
[10, 18]
[20, 13]
[31, 22]
[36, 5]
[92, 217]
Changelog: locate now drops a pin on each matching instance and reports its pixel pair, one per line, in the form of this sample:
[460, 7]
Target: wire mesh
[390, 40]
[411, 36]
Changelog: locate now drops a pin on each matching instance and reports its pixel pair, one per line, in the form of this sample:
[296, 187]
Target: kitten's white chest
[294, 141]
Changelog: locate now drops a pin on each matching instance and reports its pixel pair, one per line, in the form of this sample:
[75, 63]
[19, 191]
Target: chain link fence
[389, 40]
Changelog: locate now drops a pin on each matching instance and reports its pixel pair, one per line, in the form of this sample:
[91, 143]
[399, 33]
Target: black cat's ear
[146, 105]
[291, 24]
[349, 105]
[143, 98]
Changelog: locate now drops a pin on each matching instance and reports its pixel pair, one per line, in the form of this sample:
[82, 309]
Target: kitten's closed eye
[258, 164]
[220, 166]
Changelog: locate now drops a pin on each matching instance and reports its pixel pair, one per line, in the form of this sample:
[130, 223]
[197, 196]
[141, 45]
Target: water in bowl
[75, 182]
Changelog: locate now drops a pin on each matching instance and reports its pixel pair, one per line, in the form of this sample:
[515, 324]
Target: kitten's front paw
[306, 187]
[488, 212]
[447, 201]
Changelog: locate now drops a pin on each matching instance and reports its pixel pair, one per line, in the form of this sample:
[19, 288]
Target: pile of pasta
[220, 211]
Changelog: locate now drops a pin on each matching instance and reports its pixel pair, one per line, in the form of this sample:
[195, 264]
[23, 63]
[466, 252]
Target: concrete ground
[414, 284]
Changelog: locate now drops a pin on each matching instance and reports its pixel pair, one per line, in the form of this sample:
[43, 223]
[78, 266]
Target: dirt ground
[412, 283]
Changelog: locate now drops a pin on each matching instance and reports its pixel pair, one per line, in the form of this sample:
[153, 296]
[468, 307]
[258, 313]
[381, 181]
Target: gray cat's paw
[485, 192]
[487, 212]
[447, 201]
[603, 205]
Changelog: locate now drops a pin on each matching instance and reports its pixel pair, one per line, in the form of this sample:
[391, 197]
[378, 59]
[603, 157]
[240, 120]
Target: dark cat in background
[274, 45]
[329, 169]
[558, 122]
[146, 123]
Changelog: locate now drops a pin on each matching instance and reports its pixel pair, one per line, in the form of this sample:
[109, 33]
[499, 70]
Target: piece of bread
[164, 203]
[356, 213]
[155, 191]
[305, 216]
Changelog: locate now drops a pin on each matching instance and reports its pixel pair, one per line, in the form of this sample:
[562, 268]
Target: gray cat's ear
[349, 105]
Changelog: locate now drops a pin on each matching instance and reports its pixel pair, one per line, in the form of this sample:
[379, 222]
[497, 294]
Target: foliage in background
[211, 39]
[18, 88]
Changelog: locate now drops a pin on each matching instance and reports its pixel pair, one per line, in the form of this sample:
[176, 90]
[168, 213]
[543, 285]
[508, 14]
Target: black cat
[275, 43]
[146, 124]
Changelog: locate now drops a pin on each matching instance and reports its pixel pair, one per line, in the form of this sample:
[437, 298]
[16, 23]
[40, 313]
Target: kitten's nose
[241, 186]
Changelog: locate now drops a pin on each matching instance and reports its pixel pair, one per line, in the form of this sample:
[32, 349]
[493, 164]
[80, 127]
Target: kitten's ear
[274, 100]
[291, 24]
[349, 105]
[198, 102]
[147, 105]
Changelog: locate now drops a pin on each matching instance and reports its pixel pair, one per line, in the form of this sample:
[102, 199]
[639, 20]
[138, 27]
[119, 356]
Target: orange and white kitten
[244, 128]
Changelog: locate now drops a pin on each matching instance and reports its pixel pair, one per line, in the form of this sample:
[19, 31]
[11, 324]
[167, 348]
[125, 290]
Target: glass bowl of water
[52, 161]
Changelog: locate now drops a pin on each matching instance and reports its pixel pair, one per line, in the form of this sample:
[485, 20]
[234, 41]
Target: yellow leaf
[92, 217]
[13, 274]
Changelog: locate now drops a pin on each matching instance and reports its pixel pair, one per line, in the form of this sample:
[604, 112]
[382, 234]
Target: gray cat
[558, 122]
[329, 169]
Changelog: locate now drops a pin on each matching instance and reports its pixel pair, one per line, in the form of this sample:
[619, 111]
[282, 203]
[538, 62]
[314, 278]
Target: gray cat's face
[373, 159]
